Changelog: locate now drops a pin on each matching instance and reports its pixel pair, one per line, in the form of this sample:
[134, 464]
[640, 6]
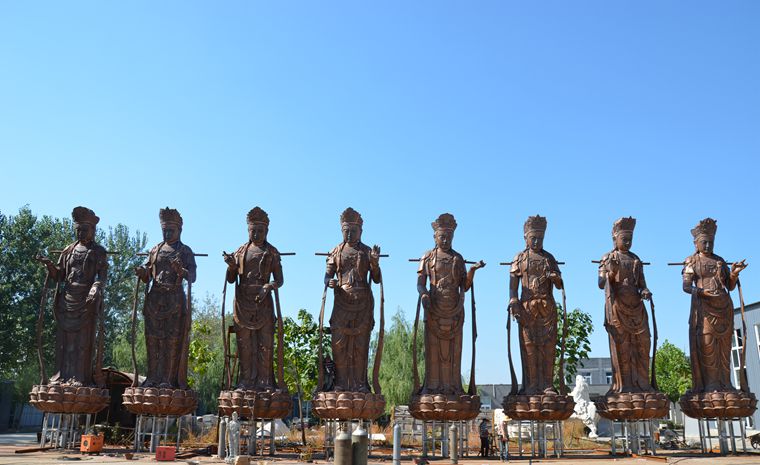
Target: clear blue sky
[580, 111]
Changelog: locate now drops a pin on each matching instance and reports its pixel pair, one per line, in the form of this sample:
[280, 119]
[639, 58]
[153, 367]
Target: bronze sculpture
[79, 278]
[256, 270]
[537, 272]
[621, 275]
[351, 267]
[709, 280]
[167, 316]
[441, 396]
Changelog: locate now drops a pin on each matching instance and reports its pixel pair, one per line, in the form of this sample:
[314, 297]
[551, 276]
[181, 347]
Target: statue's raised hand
[229, 259]
[374, 254]
[177, 267]
[478, 265]
[737, 267]
[141, 272]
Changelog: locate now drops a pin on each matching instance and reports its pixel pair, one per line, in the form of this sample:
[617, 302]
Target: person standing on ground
[484, 431]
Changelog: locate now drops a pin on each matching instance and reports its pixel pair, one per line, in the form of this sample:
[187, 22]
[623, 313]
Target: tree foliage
[396, 380]
[673, 371]
[206, 354]
[301, 353]
[577, 343]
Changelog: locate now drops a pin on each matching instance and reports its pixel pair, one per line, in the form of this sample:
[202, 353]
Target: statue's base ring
[538, 407]
[159, 401]
[255, 404]
[65, 398]
[718, 404]
[633, 405]
[344, 405]
[444, 407]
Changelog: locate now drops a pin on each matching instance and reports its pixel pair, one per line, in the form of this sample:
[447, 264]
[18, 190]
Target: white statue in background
[233, 438]
[585, 410]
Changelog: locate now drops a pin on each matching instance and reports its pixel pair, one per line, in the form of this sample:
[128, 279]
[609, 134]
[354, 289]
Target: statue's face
[623, 241]
[535, 240]
[171, 232]
[352, 233]
[443, 239]
[85, 232]
[704, 244]
[257, 233]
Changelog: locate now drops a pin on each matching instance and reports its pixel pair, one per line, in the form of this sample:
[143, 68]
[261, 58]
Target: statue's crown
[445, 221]
[84, 215]
[623, 225]
[535, 223]
[170, 215]
[351, 216]
[257, 215]
[706, 227]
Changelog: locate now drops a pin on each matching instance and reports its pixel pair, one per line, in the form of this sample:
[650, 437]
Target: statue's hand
[141, 272]
[556, 279]
[332, 284]
[646, 294]
[516, 308]
[374, 255]
[94, 294]
[478, 265]
[178, 268]
[263, 292]
[425, 299]
[229, 259]
[613, 265]
[737, 268]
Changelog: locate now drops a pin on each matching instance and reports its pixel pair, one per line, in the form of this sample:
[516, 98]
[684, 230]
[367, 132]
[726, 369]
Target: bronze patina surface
[256, 270]
[709, 280]
[167, 316]
[536, 272]
[441, 396]
[633, 394]
[350, 267]
[79, 278]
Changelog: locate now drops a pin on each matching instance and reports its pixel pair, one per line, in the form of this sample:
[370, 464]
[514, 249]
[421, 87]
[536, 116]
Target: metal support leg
[532, 438]
[731, 435]
[424, 439]
[252, 437]
[179, 433]
[445, 439]
[271, 437]
[743, 432]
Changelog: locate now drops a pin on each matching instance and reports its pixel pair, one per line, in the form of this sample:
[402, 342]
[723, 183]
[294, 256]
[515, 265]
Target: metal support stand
[634, 433]
[542, 433]
[726, 435]
[149, 427]
[65, 430]
[445, 439]
[424, 439]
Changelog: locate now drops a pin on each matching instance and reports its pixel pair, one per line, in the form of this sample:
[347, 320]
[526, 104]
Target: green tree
[119, 292]
[206, 354]
[396, 378]
[673, 371]
[577, 343]
[301, 353]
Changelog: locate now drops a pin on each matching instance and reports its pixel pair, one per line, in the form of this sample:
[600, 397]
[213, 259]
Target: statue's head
[578, 380]
[85, 221]
[258, 226]
[234, 416]
[351, 226]
[622, 233]
[533, 231]
[704, 235]
[171, 224]
[443, 231]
